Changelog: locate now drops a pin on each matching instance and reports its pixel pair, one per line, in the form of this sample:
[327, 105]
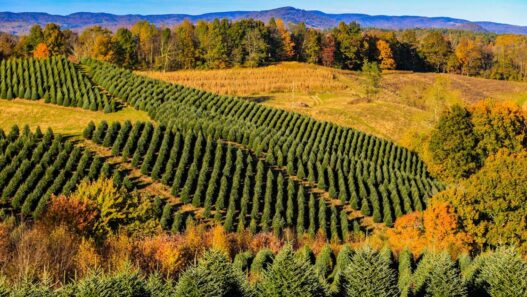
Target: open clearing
[402, 106]
[65, 120]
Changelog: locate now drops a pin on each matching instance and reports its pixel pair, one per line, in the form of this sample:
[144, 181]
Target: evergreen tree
[213, 276]
[290, 276]
[369, 275]
[505, 273]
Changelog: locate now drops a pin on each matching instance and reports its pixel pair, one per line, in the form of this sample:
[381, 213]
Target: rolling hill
[19, 23]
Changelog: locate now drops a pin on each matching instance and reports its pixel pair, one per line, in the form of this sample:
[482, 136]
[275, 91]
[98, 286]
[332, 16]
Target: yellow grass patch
[66, 120]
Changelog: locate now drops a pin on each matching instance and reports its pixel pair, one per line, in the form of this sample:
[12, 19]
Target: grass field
[402, 106]
[66, 120]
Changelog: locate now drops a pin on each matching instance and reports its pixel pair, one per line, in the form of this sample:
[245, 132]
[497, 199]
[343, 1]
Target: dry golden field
[66, 120]
[407, 102]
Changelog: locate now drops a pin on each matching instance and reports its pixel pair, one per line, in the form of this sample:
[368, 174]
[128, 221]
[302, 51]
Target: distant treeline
[250, 43]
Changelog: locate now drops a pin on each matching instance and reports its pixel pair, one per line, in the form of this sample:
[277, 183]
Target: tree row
[232, 186]
[371, 174]
[55, 80]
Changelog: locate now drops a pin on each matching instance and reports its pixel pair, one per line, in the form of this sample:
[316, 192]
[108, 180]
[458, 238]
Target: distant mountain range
[19, 23]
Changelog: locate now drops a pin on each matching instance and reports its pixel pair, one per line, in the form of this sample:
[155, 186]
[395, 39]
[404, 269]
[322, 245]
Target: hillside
[402, 106]
[21, 22]
[112, 182]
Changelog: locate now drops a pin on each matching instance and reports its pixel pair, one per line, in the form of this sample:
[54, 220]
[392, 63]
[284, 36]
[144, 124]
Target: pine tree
[325, 262]
[505, 273]
[312, 216]
[266, 214]
[369, 275]
[290, 276]
[405, 272]
[100, 132]
[213, 276]
[261, 261]
[445, 279]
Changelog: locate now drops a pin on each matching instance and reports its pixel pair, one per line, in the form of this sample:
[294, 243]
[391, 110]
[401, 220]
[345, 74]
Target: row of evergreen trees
[364, 273]
[230, 184]
[372, 175]
[56, 80]
[33, 166]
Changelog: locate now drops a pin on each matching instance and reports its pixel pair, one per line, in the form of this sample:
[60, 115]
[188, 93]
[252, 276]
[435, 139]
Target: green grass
[65, 120]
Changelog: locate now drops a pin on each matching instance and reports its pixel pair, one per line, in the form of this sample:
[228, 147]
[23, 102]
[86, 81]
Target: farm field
[162, 149]
[168, 179]
[402, 106]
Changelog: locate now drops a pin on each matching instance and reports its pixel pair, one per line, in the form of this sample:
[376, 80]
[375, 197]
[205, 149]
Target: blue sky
[505, 11]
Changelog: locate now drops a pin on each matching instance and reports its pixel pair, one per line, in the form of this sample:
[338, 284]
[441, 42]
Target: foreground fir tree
[445, 280]
[213, 276]
[505, 273]
[125, 284]
[369, 275]
[291, 276]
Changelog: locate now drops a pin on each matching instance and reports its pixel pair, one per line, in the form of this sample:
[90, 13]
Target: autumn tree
[386, 55]
[147, 36]
[437, 228]
[436, 50]
[328, 50]
[41, 51]
[499, 125]
[55, 39]
[7, 45]
[490, 203]
[510, 55]
[470, 55]
[186, 45]
[287, 50]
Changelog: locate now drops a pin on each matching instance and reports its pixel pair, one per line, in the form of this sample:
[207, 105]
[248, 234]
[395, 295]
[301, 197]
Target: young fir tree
[290, 276]
[405, 272]
[369, 275]
[88, 131]
[325, 262]
[213, 276]
[445, 279]
[505, 273]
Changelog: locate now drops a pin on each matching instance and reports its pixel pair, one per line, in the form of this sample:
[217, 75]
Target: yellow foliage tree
[386, 55]
[491, 203]
[470, 55]
[499, 125]
[220, 241]
[288, 46]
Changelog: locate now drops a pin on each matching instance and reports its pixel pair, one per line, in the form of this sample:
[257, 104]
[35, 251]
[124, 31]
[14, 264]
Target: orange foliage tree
[76, 214]
[436, 228]
[41, 51]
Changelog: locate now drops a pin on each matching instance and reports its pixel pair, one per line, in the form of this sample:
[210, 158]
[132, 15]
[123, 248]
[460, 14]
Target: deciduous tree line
[251, 43]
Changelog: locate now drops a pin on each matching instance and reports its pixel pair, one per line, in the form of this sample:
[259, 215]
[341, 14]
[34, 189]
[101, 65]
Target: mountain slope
[19, 23]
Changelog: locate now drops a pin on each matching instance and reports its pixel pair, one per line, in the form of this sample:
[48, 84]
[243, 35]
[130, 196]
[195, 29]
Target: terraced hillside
[363, 172]
[215, 159]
